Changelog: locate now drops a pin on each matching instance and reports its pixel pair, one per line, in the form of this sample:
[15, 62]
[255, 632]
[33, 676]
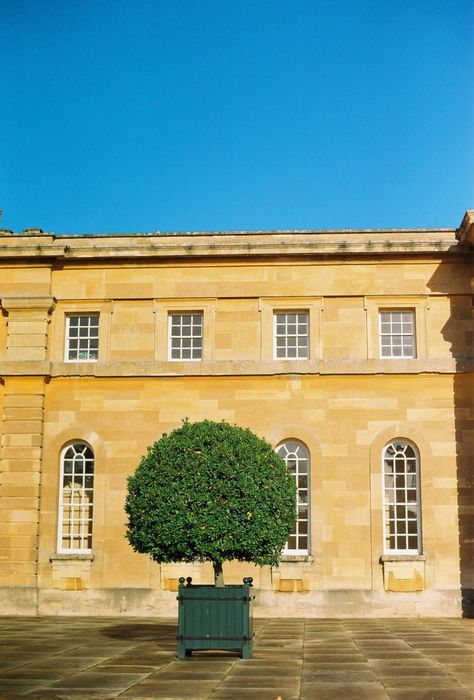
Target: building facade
[351, 352]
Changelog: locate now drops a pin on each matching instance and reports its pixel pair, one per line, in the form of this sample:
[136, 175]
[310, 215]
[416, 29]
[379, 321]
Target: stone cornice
[241, 244]
[214, 368]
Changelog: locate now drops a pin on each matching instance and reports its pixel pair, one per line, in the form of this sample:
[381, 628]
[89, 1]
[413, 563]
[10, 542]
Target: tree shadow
[454, 278]
[142, 631]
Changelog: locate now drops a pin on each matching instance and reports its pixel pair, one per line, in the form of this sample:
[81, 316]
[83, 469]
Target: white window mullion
[397, 336]
[185, 336]
[82, 338]
[290, 335]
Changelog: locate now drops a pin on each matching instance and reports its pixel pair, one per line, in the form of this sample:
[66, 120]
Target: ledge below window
[71, 556]
[402, 557]
[71, 570]
[403, 573]
[292, 574]
[297, 558]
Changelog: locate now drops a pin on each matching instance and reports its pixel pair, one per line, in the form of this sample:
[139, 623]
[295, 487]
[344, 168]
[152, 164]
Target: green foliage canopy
[211, 492]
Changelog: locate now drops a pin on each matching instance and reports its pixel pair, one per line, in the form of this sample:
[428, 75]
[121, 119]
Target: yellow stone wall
[344, 403]
[340, 420]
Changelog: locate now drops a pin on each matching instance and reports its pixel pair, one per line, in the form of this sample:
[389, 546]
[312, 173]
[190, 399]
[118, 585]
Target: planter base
[215, 618]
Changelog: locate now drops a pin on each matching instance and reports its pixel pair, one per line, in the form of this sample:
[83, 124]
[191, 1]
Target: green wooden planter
[215, 618]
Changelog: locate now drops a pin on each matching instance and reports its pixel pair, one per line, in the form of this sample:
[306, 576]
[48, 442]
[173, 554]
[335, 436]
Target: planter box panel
[215, 618]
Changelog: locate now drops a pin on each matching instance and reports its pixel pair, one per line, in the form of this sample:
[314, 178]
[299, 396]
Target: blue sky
[137, 115]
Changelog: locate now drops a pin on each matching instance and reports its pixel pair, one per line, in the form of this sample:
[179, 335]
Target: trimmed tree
[211, 492]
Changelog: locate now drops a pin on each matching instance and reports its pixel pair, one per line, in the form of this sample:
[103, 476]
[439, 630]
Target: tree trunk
[218, 574]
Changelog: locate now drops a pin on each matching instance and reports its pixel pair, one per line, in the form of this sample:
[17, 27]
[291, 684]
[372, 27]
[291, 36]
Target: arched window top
[77, 450]
[295, 453]
[401, 448]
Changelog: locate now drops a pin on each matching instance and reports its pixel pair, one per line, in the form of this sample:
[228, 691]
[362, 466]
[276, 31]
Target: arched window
[402, 521]
[296, 456]
[76, 498]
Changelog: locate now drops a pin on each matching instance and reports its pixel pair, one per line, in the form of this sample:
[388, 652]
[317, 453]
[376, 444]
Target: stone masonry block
[22, 467]
[20, 479]
[18, 554]
[27, 353]
[11, 427]
[30, 340]
[22, 440]
[26, 327]
[19, 516]
[16, 413]
[13, 503]
[23, 400]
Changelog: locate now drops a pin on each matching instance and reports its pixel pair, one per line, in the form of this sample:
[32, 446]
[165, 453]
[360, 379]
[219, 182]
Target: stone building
[349, 351]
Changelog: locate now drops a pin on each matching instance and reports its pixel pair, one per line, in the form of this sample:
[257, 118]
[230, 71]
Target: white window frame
[292, 450]
[75, 452]
[395, 488]
[268, 306]
[192, 336]
[288, 336]
[88, 337]
[391, 334]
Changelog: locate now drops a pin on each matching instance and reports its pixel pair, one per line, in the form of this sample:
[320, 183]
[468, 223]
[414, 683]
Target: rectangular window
[291, 335]
[185, 336]
[82, 338]
[397, 333]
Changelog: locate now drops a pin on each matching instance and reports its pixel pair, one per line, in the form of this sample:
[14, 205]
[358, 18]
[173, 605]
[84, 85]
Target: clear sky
[172, 115]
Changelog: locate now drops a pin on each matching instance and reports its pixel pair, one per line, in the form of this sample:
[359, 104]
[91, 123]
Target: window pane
[85, 327]
[397, 334]
[185, 342]
[291, 339]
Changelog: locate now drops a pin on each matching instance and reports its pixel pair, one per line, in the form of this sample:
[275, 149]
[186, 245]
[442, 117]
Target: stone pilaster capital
[28, 303]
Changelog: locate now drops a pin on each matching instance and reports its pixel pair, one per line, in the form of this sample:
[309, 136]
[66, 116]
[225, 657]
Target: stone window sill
[403, 557]
[73, 556]
[289, 558]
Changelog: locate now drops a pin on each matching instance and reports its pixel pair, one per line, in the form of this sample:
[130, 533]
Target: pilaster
[20, 480]
[27, 326]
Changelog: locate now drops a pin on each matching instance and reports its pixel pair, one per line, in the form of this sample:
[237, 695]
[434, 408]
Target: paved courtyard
[293, 659]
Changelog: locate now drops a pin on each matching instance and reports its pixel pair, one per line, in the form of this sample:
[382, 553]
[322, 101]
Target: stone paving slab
[301, 659]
